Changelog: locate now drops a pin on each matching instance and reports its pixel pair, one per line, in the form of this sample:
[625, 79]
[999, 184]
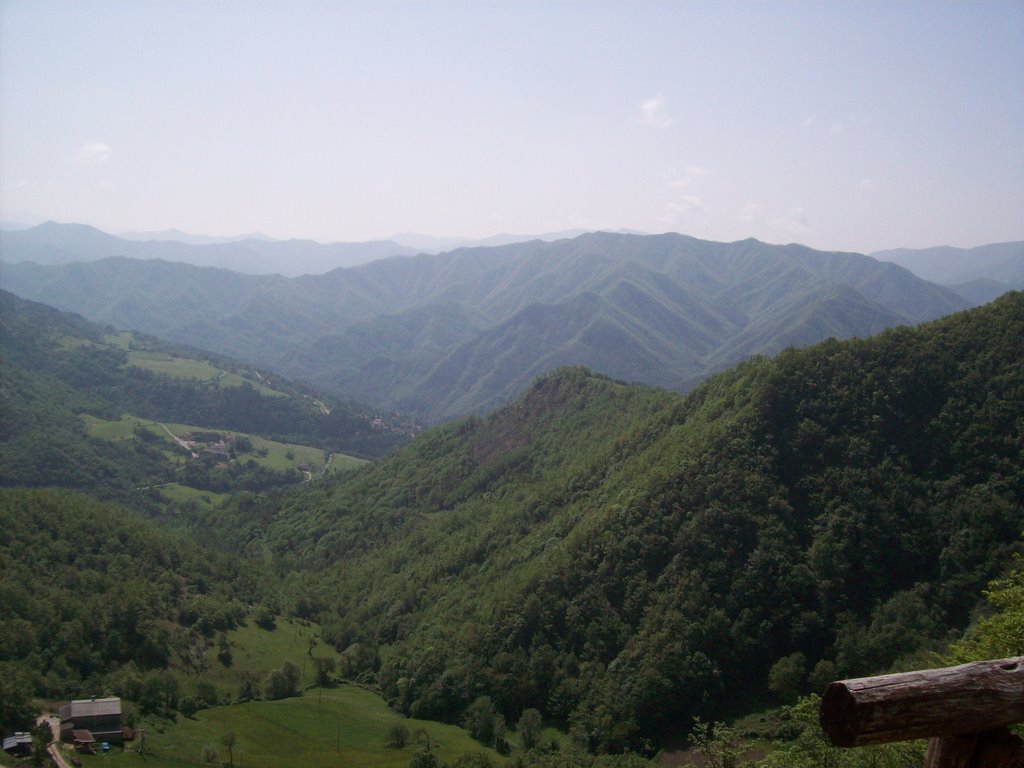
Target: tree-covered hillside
[442, 336]
[91, 591]
[88, 408]
[623, 559]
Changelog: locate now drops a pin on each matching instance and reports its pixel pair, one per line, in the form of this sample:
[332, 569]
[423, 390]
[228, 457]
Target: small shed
[18, 744]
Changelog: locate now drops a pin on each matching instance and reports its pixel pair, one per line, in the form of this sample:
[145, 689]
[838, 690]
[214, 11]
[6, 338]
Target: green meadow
[268, 453]
[188, 368]
[345, 725]
[323, 728]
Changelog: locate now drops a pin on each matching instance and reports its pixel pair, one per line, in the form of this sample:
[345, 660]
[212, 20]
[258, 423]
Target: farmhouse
[91, 720]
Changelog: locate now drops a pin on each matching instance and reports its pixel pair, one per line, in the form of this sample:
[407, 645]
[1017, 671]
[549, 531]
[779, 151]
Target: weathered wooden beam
[990, 749]
[933, 702]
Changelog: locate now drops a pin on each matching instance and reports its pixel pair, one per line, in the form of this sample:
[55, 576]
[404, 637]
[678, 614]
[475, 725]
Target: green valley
[609, 560]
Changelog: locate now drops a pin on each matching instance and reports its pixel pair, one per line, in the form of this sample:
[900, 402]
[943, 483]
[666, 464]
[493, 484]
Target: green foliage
[786, 677]
[481, 720]
[59, 364]
[529, 728]
[398, 736]
[424, 760]
[717, 744]
[811, 748]
[90, 590]
[622, 559]
[324, 667]
[999, 633]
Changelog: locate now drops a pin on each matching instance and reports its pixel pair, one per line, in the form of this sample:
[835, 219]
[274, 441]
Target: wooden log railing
[963, 711]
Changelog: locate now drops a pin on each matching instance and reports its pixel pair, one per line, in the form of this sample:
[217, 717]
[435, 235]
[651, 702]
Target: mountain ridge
[54, 243]
[660, 309]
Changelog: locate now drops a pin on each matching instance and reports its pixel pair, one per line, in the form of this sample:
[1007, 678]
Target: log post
[991, 749]
[967, 699]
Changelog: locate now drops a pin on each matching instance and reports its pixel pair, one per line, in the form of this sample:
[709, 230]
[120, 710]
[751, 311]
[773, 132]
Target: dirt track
[53, 749]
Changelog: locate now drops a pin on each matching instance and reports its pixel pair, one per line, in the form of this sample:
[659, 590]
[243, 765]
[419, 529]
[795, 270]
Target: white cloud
[792, 222]
[692, 172]
[686, 203]
[686, 209]
[774, 225]
[652, 112]
[864, 192]
[92, 153]
[752, 212]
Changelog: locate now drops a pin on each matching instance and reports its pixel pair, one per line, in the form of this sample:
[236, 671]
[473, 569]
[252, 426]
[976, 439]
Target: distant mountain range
[53, 243]
[253, 254]
[464, 331]
[978, 274]
[432, 244]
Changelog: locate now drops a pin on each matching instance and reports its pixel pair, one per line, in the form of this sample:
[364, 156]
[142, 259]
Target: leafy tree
[229, 739]
[786, 676]
[324, 667]
[224, 650]
[718, 744]
[398, 736]
[277, 686]
[481, 720]
[529, 728]
[206, 693]
[999, 634]
[249, 688]
[424, 760]
[292, 673]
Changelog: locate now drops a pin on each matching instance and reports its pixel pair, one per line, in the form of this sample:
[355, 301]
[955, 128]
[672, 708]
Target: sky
[841, 125]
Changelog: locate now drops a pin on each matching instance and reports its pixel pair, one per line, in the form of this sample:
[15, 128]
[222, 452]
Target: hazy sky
[842, 125]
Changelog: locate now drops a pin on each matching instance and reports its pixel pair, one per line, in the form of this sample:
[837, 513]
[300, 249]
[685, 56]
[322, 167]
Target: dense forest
[622, 559]
[95, 596]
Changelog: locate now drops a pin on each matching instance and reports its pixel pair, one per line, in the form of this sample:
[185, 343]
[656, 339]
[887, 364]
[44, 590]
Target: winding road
[54, 747]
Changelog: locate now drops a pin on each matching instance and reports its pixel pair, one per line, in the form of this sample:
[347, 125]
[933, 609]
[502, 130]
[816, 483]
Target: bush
[398, 736]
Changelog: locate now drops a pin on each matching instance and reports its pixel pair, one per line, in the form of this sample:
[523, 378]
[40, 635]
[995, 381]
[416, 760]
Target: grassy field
[279, 456]
[257, 650]
[182, 493]
[339, 726]
[188, 368]
[121, 340]
[328, 728]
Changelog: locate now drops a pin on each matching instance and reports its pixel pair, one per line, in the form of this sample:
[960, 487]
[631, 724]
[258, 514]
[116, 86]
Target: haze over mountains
[254, 253]
[978, 274]
[464, 331]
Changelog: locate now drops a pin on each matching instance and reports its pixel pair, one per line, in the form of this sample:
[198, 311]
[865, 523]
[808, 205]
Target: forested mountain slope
[92, 591]
[466, 330]
[58, 367]
[623, 559]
